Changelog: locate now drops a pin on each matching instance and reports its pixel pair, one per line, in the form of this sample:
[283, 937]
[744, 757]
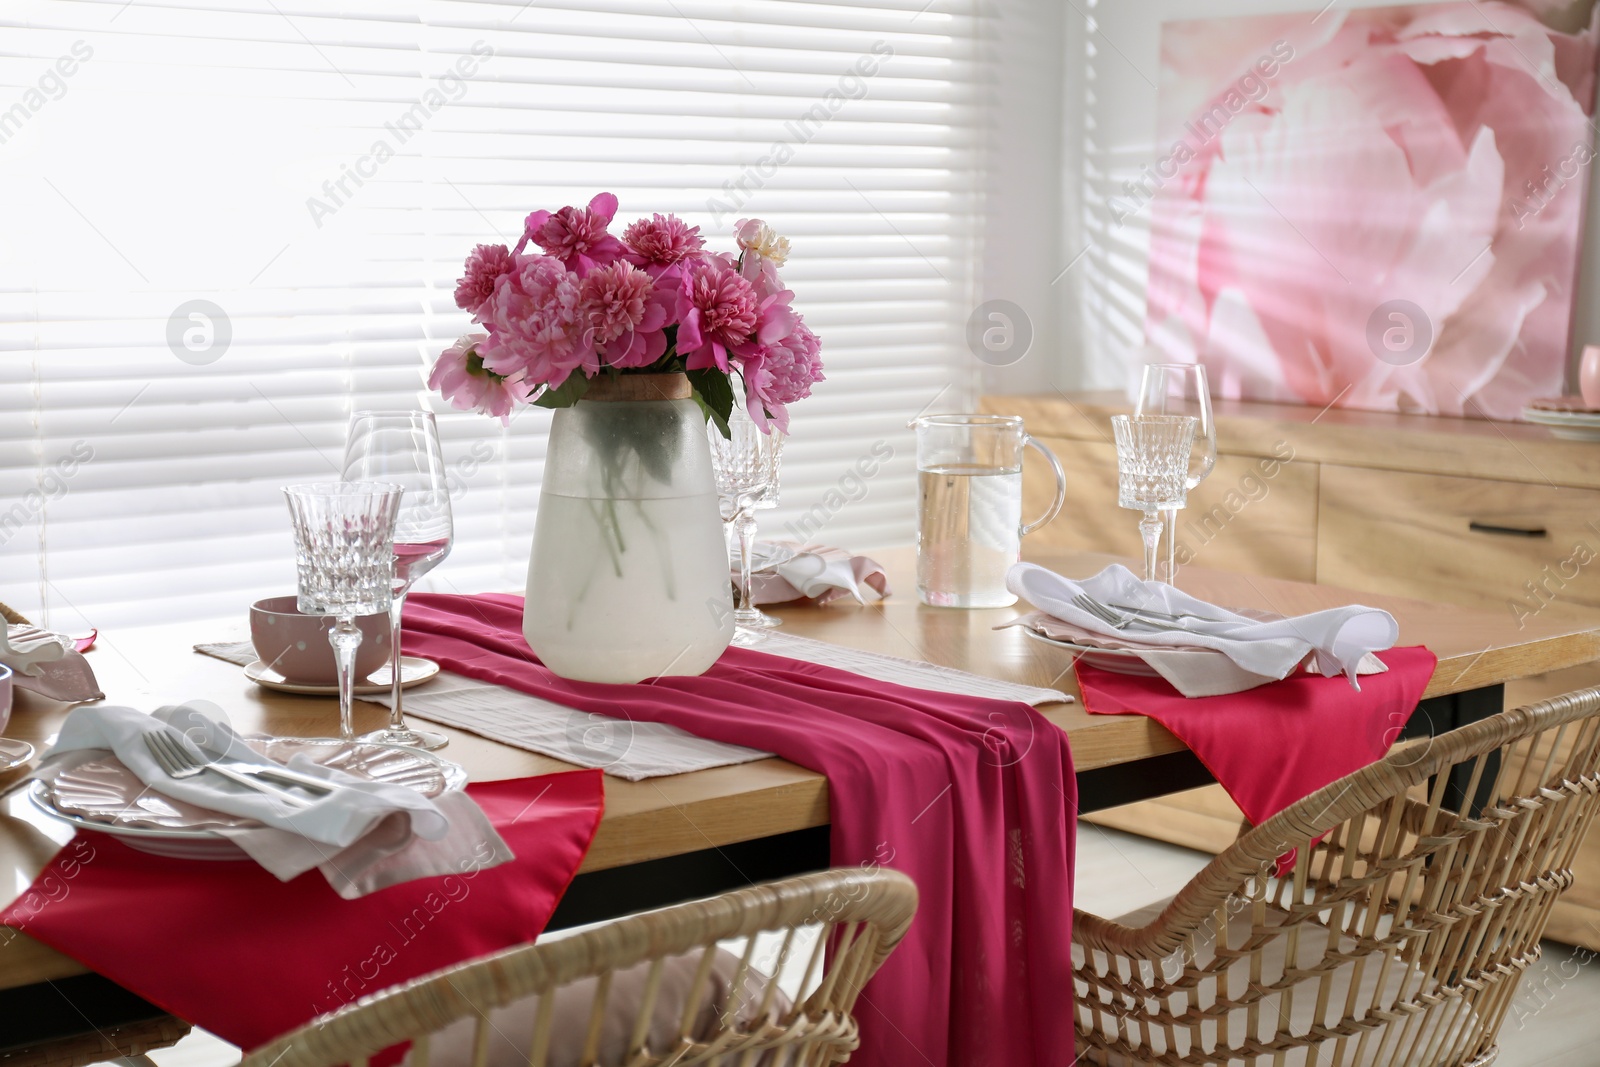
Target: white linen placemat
[639, 750]
[910, 672]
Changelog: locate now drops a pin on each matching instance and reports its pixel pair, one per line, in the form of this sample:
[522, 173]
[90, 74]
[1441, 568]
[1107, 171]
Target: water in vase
[596, 560]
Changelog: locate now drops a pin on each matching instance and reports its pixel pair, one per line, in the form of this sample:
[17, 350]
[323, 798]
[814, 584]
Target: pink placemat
[233, 950]
[1271, 746]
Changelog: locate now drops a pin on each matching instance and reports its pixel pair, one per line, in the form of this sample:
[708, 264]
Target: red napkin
[972, 798]
[1275, 744]
[233, 950]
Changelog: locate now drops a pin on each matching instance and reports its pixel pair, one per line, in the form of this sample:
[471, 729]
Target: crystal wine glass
[1181, 389]
[746, 468]
[1152, 471]
[344, 556]
[766, 501]
[402, 447]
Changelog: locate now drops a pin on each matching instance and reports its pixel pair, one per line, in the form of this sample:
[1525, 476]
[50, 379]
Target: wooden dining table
[687, 835]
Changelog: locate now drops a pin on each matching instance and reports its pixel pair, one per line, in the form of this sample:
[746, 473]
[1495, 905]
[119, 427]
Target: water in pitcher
[968, 534]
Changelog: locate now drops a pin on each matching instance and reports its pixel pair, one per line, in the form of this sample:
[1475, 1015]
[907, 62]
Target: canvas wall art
[1377, 208]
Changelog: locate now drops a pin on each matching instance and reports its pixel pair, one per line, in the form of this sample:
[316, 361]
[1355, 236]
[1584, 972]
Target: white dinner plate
[414, 670]
[105, 797]
[1567, 425]
[1116, 660]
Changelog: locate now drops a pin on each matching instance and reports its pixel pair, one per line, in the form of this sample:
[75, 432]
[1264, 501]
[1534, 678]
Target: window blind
[234, 222]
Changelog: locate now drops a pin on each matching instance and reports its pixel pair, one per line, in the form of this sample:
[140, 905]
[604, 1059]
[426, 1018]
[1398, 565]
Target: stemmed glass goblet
[1152, 471]
[746, 467]
[1181, 389]
[766, 501]
[344, 559]
[402, 447]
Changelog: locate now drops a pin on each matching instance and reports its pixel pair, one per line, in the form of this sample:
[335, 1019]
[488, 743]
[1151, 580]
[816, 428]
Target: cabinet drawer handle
[1509, 531]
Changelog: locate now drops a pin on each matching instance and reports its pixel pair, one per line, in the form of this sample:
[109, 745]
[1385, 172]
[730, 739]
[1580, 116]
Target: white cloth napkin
[363, 836]
[1337, 640]
[782, 571]
[48, 663]
[1192, 671]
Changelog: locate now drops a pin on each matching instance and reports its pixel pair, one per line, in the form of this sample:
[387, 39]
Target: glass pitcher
[969, 507]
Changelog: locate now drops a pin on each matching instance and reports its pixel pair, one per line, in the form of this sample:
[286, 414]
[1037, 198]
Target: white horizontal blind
[318, 172]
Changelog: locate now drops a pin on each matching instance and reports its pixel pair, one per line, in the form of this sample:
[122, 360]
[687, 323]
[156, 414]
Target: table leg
[1441, 714]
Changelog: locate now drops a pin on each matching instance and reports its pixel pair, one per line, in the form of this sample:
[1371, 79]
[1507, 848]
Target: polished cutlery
[176, 761]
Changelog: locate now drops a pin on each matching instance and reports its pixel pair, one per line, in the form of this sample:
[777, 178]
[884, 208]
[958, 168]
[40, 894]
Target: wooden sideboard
[1496, 515]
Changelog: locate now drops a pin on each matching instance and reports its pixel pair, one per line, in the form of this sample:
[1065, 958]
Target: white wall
[1028, 194]
[1115, 88]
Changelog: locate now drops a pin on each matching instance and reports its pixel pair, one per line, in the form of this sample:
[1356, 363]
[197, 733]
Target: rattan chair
[726, 1012]
[1398, 939]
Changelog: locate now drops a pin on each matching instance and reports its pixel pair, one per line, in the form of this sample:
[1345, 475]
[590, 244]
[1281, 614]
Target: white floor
[1555, 1022]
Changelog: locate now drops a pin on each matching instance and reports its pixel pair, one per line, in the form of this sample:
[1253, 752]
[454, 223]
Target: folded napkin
[782, 571]
[48, 663]
[1337, 640]
[363, 836]
[1190, 669]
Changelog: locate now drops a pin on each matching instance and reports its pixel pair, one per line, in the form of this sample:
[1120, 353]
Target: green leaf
[712, 417]
[713, 391]
[570, 393]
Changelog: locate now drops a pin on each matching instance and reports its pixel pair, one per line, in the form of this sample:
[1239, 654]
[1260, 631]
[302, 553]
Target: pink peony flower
[662, 240]
[485, 264]
[780, 373]
[460, 377]
[577, 236]
[533, 321]
[624, 314]
[717, 311]
[1412, 154]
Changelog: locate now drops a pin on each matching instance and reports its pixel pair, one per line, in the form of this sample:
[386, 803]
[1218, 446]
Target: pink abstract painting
[1377, 209]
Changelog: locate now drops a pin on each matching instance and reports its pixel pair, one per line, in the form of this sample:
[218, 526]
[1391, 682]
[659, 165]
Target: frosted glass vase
[628, 578]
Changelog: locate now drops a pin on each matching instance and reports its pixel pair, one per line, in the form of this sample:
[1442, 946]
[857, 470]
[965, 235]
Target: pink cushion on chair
[512, 1025]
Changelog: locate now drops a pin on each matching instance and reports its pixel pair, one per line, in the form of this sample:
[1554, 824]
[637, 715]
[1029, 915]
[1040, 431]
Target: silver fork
[176, 761]
[1119, 621]
[1162, 614]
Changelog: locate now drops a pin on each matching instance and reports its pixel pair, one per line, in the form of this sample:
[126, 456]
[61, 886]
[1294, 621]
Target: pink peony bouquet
[653, 301]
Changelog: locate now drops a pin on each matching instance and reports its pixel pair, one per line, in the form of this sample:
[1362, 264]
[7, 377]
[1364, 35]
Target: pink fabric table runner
[1272, 745]
[973, 798]
[228, 947]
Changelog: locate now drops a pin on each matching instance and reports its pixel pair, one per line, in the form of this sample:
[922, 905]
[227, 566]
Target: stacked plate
[1116, 660]
[1569, 423]
[104, 796]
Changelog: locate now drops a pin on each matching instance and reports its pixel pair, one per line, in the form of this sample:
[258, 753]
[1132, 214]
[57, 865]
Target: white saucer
[414, 670]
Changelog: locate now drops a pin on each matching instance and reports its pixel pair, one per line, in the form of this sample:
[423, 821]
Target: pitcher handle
[1061, 486]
